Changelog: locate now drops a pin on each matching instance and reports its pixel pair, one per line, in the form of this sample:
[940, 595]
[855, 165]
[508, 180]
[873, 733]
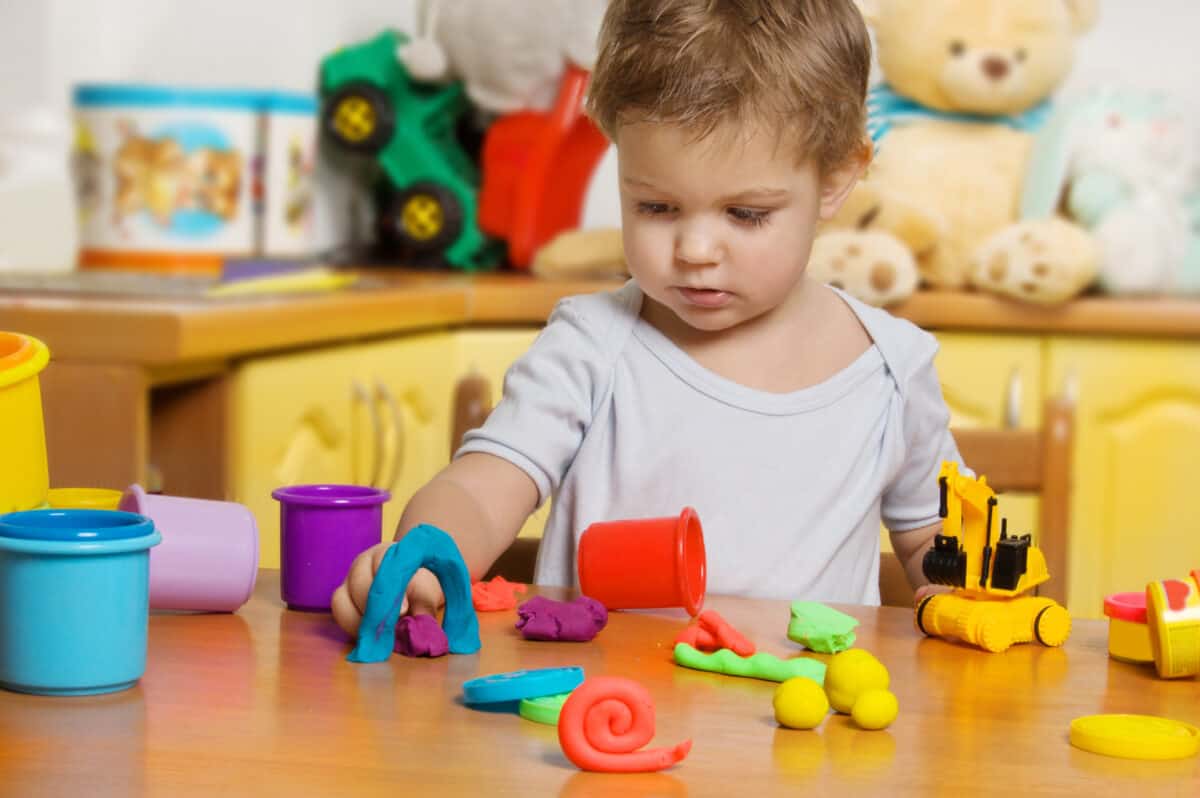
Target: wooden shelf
[164, 333]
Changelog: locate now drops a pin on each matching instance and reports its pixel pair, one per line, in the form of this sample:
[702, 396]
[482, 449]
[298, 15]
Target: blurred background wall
[47, 45]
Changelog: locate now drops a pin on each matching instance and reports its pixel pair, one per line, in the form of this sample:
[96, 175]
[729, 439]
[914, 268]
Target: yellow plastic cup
[24, 478]
[84, 498]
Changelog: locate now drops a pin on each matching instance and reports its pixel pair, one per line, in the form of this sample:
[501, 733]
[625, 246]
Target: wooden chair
[1024, 460]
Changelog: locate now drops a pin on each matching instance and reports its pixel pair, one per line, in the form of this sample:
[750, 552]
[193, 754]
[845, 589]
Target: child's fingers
[924, 591]
[361, 575]
[344, 611]
[424, 595]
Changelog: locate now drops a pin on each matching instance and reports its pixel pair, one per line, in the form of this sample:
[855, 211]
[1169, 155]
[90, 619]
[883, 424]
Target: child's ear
[837, 184]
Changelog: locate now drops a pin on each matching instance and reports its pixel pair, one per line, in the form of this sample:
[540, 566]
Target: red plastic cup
[645, 563]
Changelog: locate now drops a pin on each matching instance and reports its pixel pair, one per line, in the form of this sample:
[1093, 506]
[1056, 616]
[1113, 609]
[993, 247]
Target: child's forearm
[449, 505]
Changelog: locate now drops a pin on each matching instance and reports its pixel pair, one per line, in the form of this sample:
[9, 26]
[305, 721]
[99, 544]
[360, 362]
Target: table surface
[264, 702]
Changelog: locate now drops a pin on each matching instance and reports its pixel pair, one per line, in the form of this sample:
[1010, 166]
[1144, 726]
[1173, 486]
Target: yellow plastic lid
[1135, 736]
[21, 357]
[83, 498]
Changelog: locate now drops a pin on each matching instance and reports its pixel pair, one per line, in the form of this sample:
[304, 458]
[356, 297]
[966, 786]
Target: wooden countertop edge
[966, 311]
[162, 332]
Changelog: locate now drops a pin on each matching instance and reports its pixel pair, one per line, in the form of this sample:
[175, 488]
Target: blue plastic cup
[74, 600]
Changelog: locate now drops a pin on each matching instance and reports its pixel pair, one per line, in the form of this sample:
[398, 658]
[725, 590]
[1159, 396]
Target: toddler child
[793, 418]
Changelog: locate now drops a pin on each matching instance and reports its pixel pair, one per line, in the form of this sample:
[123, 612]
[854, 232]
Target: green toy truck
[429, 185]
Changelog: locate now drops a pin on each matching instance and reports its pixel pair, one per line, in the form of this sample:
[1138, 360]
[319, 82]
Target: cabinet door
[298, 418]
[489, 352]
[1137, 452]
[987, 378]
[994, 381]
[410, 380]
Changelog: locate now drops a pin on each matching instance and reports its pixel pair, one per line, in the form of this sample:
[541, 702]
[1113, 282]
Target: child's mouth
[704, 297]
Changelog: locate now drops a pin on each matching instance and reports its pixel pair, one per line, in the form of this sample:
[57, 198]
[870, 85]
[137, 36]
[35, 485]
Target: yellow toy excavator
[989, 572]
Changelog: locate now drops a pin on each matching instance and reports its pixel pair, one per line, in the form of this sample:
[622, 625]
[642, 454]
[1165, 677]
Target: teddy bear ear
[1083, 14]
[870, 9]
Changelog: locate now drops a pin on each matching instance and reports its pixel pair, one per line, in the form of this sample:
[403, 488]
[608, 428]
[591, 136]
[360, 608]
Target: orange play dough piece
[712, 632]
[604, 722]
[496, 594]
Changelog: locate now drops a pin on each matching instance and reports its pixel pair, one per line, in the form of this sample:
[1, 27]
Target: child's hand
[424, 594]
[924, 591]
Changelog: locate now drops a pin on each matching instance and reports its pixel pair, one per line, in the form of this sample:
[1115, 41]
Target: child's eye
[653, 208]
[749, 216]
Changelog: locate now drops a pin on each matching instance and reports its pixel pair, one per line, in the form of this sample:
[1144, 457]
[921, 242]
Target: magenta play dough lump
[421, 636]
[575, 621]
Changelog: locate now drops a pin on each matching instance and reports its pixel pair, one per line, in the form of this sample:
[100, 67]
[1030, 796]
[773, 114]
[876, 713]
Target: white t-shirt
[615, 421]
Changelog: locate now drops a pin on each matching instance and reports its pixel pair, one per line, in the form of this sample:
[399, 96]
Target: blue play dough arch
[424, 546]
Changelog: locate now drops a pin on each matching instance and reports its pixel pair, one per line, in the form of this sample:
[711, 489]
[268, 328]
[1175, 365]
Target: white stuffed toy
[510, 54]
[1127, 167]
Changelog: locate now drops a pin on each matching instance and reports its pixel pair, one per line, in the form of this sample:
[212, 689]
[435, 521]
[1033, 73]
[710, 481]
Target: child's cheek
[647, 246]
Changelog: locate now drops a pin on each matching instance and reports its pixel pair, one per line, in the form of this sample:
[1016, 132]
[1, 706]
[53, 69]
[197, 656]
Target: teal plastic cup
[74, 600]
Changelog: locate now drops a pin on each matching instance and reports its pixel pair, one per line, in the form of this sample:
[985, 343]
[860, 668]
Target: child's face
[719, 230]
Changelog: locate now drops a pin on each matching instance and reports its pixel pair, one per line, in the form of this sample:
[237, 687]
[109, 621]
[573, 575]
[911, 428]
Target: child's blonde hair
[799, 66]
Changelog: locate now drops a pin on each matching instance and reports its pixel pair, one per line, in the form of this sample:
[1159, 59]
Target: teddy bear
[967, 83]
[1125, 165]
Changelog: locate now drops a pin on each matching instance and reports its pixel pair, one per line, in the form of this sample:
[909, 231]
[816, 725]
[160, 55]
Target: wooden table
[264, 702]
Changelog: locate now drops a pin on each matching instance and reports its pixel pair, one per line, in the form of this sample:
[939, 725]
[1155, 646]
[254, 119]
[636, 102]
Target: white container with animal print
[289, 144]
[165, 176]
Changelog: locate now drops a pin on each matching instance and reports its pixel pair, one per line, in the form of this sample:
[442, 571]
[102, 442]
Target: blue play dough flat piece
[424, 546]
[516, 685]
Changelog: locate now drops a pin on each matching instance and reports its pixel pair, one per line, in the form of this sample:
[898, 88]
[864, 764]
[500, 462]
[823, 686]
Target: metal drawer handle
[1012, 401]
[362, 395]
[398, 433]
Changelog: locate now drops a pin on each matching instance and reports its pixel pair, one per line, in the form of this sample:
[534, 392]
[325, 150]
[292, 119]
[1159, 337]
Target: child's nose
[695, 247]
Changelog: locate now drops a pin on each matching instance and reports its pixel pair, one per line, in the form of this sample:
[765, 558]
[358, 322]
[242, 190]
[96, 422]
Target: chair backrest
[1023, 460]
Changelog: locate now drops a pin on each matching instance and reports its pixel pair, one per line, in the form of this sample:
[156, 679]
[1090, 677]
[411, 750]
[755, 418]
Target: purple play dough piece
[420, 636]
[546, 619]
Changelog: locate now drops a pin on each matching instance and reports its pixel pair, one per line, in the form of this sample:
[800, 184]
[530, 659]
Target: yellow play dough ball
[800, 703]
[875, 709]
[850, 674]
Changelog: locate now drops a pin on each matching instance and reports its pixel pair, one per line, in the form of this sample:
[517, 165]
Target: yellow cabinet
[412, 381]
[489, 353]
[991, 380]
[364, 414]
[1137, 453]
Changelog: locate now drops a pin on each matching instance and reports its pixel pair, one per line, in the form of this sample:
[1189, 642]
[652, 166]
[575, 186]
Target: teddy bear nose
[995, 67]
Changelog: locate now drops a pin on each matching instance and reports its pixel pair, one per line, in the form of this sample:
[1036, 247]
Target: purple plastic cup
[322, 528]
[208, 558]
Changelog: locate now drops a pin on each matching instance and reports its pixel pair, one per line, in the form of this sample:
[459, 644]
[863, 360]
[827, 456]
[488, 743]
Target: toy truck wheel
[425, 218]
[1052, 626]
[358, 117]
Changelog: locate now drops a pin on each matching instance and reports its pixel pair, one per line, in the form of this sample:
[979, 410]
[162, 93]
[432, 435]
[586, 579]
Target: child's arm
[910, 547]
[480, 500]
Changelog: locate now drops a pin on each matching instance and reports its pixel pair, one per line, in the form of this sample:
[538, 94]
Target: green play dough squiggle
[758, 666]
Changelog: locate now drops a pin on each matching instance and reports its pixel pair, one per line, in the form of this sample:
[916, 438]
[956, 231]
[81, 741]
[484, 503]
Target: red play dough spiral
[605, 721]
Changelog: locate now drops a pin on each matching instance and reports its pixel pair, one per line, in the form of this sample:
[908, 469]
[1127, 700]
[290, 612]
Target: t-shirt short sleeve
[552, 392]
[911, 499]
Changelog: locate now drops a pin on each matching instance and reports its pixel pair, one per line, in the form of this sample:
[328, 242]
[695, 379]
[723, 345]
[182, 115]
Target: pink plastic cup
[208, 558]
[645, 563]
